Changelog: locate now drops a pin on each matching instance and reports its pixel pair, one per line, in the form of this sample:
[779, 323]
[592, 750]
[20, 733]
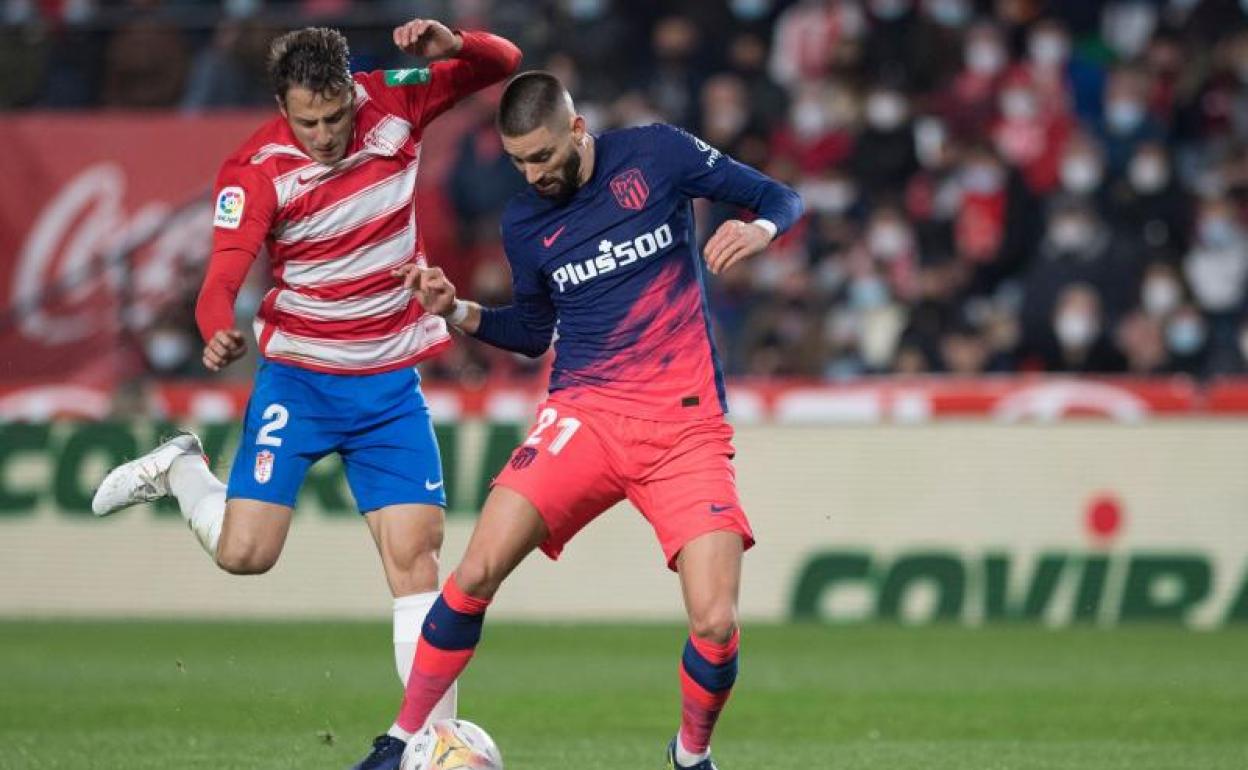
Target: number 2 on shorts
[567, 427]
[275, 418]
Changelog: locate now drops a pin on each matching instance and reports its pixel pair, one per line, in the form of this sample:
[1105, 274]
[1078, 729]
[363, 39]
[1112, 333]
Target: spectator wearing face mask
[996, 225]
[1077, 337]
[1078, 248]
[809, 37]
[1046, 66]
[1081, 171]
[884, 157]
[1029, 137]
[818, 134]
[1216, 267]
[1188, 341]
[1161, 291]
[891, 245]
[968, 103]
[1148, 202]
[1126, 123]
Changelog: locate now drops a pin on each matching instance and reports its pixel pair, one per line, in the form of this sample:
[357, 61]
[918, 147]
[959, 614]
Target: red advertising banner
[103, 218]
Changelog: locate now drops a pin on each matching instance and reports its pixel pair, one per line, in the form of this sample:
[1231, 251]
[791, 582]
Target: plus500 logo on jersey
[612, 257]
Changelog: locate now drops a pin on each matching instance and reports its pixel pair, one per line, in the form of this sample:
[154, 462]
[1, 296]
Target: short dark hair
[315, 58]
[530, 100]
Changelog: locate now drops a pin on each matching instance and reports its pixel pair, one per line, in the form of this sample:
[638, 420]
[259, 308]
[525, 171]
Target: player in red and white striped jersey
[327, 188]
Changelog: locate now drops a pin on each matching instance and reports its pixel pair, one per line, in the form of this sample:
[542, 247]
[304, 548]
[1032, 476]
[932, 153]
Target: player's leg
[409, 538]
[552, 487]
[243, 536]
[710, 579]
[391, 459]
[508, 530]
[687, 491]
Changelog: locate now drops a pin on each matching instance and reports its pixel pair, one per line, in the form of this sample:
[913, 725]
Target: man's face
[321, 122]
[549, 159]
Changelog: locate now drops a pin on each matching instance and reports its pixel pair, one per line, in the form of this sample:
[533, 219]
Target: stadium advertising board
[956, 521]
[102, 221]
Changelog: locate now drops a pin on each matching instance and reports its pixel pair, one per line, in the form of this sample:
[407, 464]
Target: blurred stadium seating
[997, 187]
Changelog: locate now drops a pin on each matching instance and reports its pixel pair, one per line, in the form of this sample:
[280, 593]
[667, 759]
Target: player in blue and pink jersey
[604, 259]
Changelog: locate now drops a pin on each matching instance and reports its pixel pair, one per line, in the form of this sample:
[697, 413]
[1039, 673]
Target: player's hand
[732, 242]
[428, 38]
[225, 347]
[431, 286]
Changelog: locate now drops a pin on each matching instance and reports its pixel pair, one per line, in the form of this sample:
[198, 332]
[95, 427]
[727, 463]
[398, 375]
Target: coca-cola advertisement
[104, 221]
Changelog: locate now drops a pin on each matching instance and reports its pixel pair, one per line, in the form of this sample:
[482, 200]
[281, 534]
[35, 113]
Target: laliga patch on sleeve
[228, 213]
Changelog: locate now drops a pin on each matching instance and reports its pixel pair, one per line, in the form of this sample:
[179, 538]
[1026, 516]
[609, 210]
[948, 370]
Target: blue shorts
[378, 423]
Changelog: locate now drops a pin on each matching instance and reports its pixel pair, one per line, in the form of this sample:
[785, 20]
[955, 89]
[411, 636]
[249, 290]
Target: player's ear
[578, 130]
[281, 106]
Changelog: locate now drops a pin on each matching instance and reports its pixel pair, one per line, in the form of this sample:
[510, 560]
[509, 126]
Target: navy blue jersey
[615, 274]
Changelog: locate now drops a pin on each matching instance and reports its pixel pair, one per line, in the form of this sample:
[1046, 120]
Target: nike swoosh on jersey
[429, 485]
[549, 241]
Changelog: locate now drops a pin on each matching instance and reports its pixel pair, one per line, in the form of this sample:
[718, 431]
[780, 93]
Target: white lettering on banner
[83, 223]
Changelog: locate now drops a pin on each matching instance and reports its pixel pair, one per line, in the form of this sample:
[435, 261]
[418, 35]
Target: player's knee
[716, 625]
[475, 578]
[245, 558]
[415, 573]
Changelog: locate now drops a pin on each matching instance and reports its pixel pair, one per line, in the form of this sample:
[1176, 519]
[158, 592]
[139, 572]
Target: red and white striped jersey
[335, 233]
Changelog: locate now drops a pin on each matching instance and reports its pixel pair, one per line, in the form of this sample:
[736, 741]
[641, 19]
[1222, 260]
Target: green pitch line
[217, 696]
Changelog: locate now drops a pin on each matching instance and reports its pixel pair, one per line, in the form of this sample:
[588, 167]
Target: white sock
[201, 496]
[686, 757]
[409, 616]
[398, 732]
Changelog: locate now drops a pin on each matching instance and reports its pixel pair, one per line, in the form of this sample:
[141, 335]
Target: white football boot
[144, 479]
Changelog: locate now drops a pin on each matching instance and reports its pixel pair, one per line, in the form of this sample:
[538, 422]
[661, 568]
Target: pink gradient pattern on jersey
[658, 360]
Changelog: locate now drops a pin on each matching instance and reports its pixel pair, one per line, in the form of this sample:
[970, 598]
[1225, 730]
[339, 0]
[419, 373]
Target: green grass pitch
[219, 696]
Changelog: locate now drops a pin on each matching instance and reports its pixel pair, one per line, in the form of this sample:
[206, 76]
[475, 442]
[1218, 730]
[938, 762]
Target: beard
[563, 184]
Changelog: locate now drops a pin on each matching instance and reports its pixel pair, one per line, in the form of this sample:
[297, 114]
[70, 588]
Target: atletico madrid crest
[630, 189]
[264, 466]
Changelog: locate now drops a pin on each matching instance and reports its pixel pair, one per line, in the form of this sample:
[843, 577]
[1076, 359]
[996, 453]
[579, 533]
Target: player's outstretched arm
[525, 327]
[467, 62]
[428, 38]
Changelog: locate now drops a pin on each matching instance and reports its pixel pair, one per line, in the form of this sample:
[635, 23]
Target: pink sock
[447, 641]
[707, 673]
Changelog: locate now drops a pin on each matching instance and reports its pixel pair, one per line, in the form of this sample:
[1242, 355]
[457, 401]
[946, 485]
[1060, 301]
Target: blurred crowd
[991, 185]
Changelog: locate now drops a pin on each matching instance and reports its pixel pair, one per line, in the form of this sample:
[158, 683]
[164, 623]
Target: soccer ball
[451, 744]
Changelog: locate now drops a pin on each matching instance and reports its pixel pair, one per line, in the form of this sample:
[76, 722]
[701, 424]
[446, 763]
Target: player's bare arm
[224, 348]
[735, 241]
[428, 38]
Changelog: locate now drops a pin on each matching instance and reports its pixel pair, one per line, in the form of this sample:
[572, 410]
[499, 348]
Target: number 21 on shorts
[567, 428]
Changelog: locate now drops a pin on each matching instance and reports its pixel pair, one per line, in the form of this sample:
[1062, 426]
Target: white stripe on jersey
[374, 202]
[428, 331]
[366, 260]
[372, 306]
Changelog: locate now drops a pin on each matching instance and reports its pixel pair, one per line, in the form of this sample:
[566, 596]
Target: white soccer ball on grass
[451, 744]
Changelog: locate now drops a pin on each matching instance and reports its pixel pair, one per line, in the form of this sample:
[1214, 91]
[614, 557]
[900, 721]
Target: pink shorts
[577, 463]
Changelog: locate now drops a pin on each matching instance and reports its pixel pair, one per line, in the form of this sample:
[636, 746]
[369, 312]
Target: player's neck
[587, 160]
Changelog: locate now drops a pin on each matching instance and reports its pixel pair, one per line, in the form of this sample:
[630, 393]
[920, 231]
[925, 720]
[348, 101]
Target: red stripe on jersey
[360, 287]
[332, 248]
[373, 327]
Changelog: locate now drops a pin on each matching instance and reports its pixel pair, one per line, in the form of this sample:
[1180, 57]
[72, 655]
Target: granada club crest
[264, 466]
[630, 189]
